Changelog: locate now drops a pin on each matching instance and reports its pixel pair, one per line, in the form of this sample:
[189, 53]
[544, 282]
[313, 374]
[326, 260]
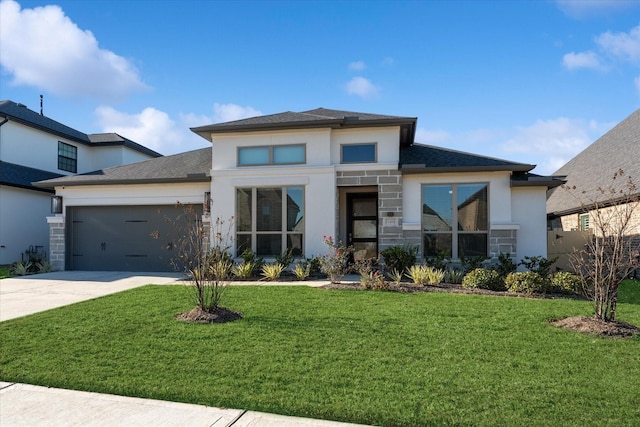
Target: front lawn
[368, 357]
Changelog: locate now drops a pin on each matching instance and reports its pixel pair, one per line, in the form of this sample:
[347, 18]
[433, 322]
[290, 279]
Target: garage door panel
[123, 238]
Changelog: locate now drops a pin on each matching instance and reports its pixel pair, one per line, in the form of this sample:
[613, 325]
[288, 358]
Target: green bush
[566, 283]
[539, 264]
[526, 282]
[505, 265]
[482, 278]
[425, 275]
[453, 276]
[399, 258]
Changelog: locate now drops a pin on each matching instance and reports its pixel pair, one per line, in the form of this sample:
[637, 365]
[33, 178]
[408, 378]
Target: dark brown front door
[362, 224]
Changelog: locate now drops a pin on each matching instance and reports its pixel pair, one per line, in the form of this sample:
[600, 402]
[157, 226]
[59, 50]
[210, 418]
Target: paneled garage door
[122, 238]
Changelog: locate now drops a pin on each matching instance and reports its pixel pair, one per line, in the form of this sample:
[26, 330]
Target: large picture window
[455, 220]
[67, 157]
[272, 155]
[270, 220]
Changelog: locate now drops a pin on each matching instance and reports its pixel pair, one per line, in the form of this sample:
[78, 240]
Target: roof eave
[54, 184]
[549, 183]
[206, 131]
[421, 168]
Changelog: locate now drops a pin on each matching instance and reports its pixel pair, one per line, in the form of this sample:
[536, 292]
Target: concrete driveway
[24, 295]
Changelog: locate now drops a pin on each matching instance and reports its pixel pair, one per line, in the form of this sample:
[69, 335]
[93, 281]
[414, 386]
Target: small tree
[203, 254]
[609, 255]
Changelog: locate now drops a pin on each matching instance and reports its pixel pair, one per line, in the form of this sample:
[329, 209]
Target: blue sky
[528, 81]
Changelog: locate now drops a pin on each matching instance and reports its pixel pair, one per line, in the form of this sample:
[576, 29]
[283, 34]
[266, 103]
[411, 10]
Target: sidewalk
[29, 405]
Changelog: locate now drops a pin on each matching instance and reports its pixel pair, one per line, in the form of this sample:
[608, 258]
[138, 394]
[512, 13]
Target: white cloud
[42, 47]
[624, 46]
[588, 59]
[581, 9]
[362, 87]
[157, 130]
[556, 141]
[357, 66]
[151, 127]
[230, 112]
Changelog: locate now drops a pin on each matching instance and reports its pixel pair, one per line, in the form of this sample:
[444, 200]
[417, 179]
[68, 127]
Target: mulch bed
[218, 315]
[595, 326]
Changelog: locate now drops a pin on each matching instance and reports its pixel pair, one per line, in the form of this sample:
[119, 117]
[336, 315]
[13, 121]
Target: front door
[362, 224]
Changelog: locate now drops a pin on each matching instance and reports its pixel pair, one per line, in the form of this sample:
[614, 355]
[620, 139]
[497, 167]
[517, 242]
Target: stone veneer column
[389, 184]
[56, 242]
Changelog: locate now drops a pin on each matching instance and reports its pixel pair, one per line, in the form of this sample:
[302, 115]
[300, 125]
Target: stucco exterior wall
[22, 222]
[529, 211]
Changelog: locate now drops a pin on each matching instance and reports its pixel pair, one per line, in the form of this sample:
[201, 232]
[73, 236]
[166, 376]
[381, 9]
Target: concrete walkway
[29, 405]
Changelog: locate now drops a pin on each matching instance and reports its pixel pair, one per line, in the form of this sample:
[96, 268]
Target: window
[67, 157]
[358, 153]
[272, 155]
[455, 220]
[584, 222]
[270, 220]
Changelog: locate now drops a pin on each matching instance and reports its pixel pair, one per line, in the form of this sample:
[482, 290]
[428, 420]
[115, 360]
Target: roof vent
[350, 118]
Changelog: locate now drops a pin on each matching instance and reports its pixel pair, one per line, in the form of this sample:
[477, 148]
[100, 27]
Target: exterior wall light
[56, 204]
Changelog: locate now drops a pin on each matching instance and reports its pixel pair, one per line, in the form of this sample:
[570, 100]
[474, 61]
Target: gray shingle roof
[319, 117]
[419, 158]
[21, 176]
[595, 166]
[21, 114]
[192, 166]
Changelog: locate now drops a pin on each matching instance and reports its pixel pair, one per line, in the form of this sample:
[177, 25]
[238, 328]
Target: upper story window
[272, 155]
[358, 153]
[67, 157]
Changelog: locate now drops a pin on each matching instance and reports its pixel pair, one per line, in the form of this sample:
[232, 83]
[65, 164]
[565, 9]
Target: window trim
[63, 146]
[253, 232]
[375, 153]
[454, 233]
[271, 162]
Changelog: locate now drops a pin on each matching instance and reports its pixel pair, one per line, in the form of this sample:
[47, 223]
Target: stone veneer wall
[389, 184]
[56, 242]
[503, 241]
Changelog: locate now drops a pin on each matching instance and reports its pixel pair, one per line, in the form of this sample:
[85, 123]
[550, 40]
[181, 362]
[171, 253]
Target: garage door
[122, 238]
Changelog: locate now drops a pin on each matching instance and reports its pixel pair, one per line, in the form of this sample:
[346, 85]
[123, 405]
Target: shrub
[453, 276]
[285, 258]
[470, 264]
[481, 278]
[272, 271]
[249, 257]
[302, 270]
[244, 270]
[440, 261]
[425, 275]
[526, 282]
[395, 276]
[20, 268]
[539, 264]
[505, 265]
[335, 264]
[566, 283]
[399, 258]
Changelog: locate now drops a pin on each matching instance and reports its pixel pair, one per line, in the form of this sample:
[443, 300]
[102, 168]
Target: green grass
[4, 271]
[367, 357]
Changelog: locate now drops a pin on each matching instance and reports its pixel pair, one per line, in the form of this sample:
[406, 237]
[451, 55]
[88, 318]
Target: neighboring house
[594, 168]
[289, 179]
[34, 147]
